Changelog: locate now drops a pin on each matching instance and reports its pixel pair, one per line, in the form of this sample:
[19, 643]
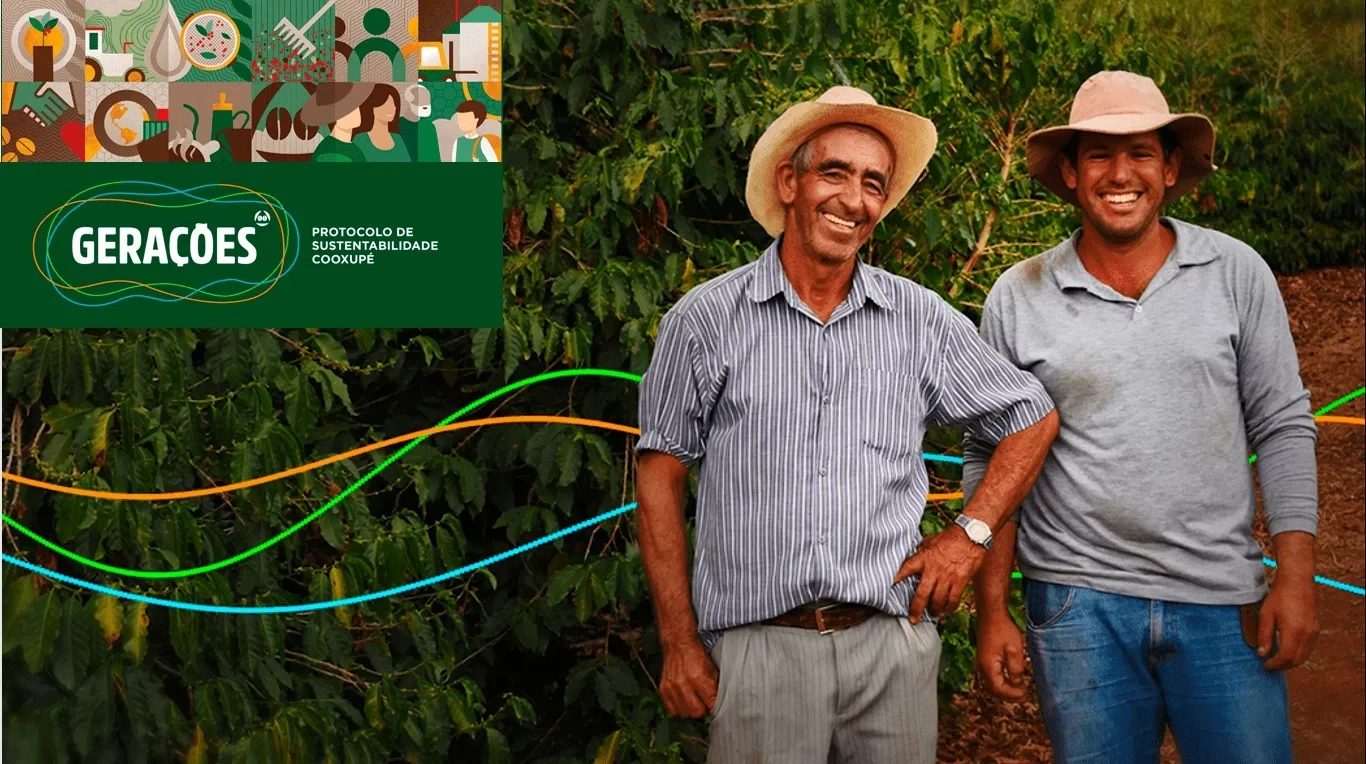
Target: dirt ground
[1328, 692]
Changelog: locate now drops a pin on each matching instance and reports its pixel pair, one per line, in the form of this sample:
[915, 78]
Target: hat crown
[842, 95]
[1117, 92]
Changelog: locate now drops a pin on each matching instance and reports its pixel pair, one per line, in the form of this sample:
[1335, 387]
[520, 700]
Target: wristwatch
[978, 531]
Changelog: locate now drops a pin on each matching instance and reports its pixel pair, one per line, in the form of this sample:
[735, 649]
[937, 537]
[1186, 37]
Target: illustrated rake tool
[295, 35]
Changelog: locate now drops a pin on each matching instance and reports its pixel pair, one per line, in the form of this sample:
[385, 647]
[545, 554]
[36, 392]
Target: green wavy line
[170, 574]
[167, 574]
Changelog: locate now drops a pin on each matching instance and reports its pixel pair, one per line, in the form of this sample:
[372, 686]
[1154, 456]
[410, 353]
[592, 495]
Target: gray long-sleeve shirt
[1147, 491]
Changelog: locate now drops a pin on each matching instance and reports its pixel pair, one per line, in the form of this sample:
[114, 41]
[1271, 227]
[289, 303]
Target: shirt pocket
[887, 407]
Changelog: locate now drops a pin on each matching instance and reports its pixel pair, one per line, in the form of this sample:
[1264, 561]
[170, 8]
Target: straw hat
[1122, 103]
[334, 100]
[911, 136]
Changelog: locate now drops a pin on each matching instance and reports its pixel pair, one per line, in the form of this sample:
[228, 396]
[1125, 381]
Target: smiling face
[1120, 182]
[385, 113]
[835, 193]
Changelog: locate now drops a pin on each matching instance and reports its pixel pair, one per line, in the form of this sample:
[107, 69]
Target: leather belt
[826, 618]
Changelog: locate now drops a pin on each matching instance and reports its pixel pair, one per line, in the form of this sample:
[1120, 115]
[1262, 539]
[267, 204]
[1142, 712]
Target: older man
[1167, 349]
[802, 384]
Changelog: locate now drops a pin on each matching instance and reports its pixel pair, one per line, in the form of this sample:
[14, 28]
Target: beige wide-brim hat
[334, 100]
[1123, 103]
[911, 136]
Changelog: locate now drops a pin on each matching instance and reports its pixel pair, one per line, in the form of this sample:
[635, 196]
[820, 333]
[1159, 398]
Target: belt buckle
[820, 618]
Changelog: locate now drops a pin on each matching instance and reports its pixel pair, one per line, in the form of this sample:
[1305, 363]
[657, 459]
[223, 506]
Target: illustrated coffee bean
[26, 146]
[10, 156]
[4, 132]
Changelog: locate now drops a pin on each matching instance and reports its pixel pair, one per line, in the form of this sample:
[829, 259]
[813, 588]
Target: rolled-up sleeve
[1276, 412]
[671, 411]
[972, 385]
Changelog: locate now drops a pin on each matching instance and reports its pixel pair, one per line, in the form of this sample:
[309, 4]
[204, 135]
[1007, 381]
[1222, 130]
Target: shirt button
[822, 472]
[1138, 308]
[826, 400]
[820, 539]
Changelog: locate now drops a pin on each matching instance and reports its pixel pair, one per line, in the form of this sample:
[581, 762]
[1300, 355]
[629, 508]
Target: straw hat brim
[1195, 131]
[912, 137]
[317, 114]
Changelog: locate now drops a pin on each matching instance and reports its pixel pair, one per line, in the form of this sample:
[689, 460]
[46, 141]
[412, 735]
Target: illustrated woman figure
[339, 106]
[378, 134]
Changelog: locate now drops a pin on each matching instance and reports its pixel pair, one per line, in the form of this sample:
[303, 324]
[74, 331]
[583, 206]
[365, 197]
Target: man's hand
[1000, 655]
[945, 562]
[1290, 613]
[690, 679]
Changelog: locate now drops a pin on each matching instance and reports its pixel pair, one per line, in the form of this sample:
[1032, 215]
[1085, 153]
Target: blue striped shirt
[808, 435]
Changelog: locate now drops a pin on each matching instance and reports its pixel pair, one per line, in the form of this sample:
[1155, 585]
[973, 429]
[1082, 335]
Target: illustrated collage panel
[252, 81]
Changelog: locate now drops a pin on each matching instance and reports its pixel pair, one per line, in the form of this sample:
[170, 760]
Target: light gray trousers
[794, 696]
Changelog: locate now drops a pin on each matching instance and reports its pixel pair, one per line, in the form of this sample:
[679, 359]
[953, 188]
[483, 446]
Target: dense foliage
[624, 186]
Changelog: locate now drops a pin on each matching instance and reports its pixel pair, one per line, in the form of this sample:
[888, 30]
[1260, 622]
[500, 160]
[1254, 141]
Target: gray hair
[801, 158]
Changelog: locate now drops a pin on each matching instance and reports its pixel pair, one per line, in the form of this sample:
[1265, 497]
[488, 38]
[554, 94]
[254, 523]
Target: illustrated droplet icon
[165, 60]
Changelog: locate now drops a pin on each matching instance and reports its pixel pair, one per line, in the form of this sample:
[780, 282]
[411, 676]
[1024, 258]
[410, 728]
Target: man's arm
[1000, 645]
[1281, 431]
[672, 439]
[690, 677]
[948, 560]
[971, 383]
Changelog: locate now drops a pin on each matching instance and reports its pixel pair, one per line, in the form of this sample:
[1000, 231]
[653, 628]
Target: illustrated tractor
[98, 64]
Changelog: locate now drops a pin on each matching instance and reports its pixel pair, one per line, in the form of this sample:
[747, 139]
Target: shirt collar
[1069, 272]
[770, 279]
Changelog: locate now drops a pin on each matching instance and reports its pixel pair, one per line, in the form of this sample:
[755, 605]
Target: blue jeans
[1113, 671]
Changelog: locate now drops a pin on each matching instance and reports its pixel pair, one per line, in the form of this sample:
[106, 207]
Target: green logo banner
[252, 245]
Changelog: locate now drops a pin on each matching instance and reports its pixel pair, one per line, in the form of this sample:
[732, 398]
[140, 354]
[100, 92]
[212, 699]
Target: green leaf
[19, 598]
[73, 652]
[569, 457]
[135, 625]
[225, 35]
[332, 384]
[484, 342]
[564, 580]
[186, 634]
[430, 349]
[623, 681]
[471, 482]
[330, 348]
[498, 751]
[91, 715]
[35, 23]
[40, 630]
[331, 527]
[933, 226]
[74, 514]
[301, 403]
[522, 709]
[535, 215]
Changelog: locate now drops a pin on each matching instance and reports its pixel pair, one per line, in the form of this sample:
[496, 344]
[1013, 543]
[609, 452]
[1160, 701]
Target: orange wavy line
[470, 424]
[279, 223]
[1356, 420]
